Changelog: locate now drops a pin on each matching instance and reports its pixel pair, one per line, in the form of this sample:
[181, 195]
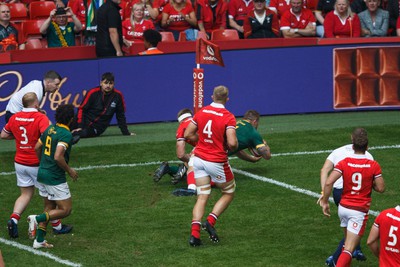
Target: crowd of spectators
[75, 19]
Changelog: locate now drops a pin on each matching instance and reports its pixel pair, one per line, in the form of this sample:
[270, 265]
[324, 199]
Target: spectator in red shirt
[298, 21]
[132, 29]
[342, 22]
[237, 13]
[178, 16]
[211, 15]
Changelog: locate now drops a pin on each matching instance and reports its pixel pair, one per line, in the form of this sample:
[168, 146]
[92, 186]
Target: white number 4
[207, 129]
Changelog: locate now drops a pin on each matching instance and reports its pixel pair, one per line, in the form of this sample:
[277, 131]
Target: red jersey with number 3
[358, 174]
[388, 222]
[180, 132]
[26, 127]
[212, 122]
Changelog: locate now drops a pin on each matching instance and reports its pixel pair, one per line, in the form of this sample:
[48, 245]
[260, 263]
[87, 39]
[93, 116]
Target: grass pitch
[122, 218]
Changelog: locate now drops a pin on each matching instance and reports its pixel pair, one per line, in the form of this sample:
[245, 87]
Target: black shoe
[179, 174]
[12, 229]
[358, 255]
[183, 192]
[75, 138]
[211, 231]
[163, 169]
[195, 242]
[65, 229]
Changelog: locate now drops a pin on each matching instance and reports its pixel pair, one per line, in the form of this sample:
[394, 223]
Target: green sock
[40, 234]
[173, 170]
[44, 217]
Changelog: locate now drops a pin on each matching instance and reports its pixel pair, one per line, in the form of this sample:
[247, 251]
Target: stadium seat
[182, 36]
[33, 43]
[31, 28]
[224, 35]
[18, 12]
[167, 37]
[41, 9]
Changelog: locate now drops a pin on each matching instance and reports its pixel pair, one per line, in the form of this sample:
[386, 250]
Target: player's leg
[332, 260]
[26, 179]
[223, 177]
[203, 193]
[191, 183]
[163, 169]
[351, 242]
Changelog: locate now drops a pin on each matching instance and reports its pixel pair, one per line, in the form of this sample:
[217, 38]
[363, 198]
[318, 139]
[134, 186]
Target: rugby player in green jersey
[53, 149]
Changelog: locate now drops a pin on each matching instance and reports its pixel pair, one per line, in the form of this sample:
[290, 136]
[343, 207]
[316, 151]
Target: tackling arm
[191, 133]
[180, 151]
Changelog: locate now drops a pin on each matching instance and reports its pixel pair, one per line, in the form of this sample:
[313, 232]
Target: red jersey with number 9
[358, 174]
[26, 127]
[212, 122]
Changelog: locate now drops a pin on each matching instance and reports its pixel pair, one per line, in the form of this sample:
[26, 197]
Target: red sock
[196, 226]
[344, 259]
[15, 216]
[190, 178]
[212, 219]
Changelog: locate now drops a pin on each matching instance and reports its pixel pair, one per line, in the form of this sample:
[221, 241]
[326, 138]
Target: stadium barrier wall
[272, 80]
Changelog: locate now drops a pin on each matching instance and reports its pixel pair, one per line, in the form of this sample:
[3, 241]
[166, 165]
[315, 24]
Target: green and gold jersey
[55, 135]
[247, 136]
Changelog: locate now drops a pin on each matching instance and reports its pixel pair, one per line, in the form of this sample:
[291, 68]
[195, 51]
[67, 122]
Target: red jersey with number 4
[388, 223]
[358, 174]
[212, 122]
[180, 132]
[26, 127]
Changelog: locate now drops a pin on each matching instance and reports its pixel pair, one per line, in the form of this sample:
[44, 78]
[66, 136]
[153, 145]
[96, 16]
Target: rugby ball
[254, 152]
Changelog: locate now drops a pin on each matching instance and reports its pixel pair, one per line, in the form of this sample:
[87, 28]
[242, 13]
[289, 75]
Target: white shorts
[26, 175]
[355, 221]
[218, 172]
[54, 192]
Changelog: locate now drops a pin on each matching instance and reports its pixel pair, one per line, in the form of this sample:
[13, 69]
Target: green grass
[121, 218]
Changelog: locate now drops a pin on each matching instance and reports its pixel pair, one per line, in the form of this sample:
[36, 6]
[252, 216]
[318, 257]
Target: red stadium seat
[31, 29]
[182, 36]
[167, 37]
[41, 9]
[33, 44]
[18, 12]
[224, 35]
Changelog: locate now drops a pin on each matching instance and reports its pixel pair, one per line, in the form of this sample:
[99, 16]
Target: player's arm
[6, 136]
[231, 139]
[373, 240]
[60, 160]
[328, 166]
[38, 149]
[327, 191]
[379, 185]
[264, 151]
[180, 151]
[247, 157]
[191, 133]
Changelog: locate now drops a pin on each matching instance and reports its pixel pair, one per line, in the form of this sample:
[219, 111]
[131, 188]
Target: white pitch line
[40, 253]
[288, 186]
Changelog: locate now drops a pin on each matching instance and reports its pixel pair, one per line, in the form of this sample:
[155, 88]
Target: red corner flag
[208, 53]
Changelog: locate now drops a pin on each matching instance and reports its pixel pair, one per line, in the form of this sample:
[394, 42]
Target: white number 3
[23, 135]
